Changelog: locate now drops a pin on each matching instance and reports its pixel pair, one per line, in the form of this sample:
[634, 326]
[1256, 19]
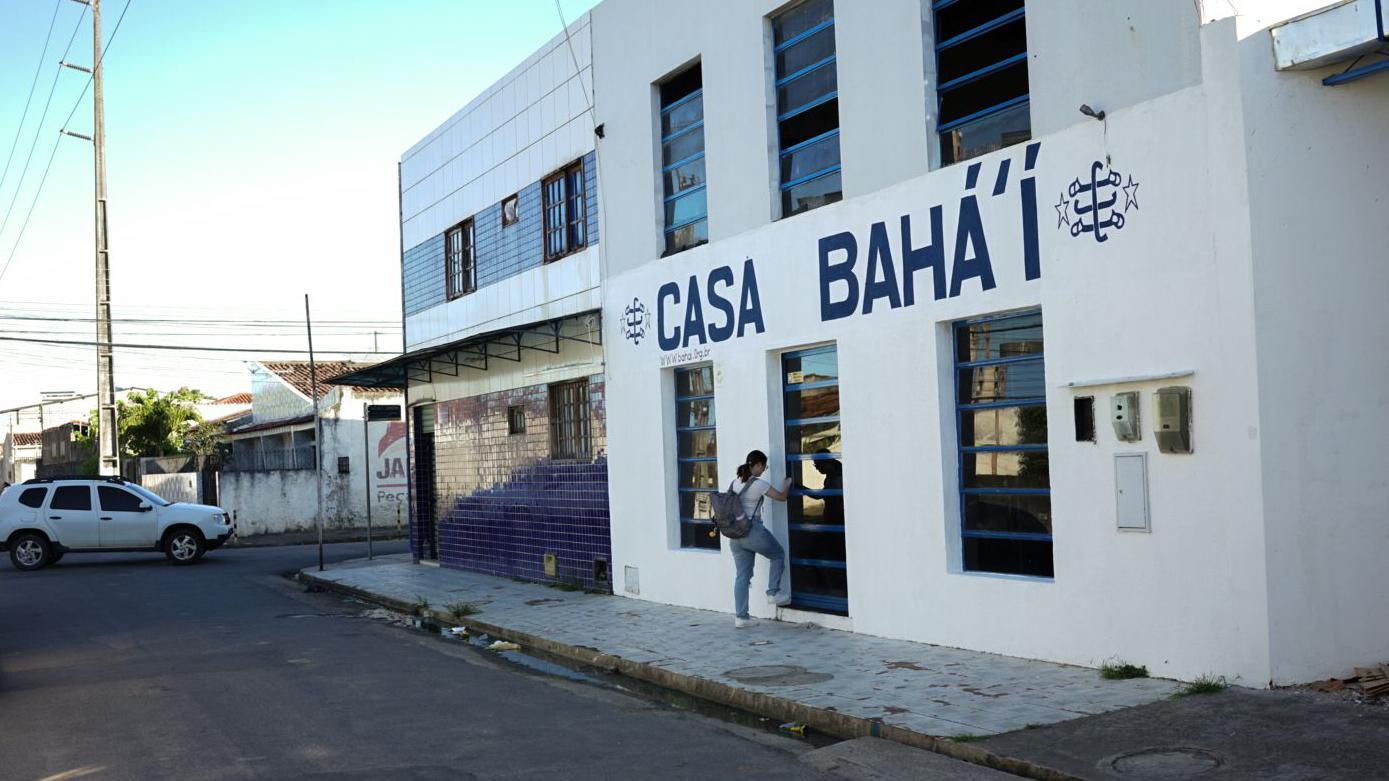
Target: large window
[697, 456]
[566, 227]
[981, 67]
[807, 100]
[682, 161]
[1005, 485]
[459, 266]
[815, 464]
[569, 433]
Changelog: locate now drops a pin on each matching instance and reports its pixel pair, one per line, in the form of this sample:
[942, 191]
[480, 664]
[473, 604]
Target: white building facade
[1063, 318]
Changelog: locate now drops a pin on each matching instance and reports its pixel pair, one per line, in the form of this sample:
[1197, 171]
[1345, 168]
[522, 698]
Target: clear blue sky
[252, 153]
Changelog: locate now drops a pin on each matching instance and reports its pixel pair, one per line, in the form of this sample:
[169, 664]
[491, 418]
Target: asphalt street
[122, 666]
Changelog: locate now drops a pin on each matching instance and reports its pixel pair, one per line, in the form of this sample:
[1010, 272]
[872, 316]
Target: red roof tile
[235, 398]
[296, 373]
[28, 439]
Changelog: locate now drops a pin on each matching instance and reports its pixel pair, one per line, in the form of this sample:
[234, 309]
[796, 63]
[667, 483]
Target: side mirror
[146, 507]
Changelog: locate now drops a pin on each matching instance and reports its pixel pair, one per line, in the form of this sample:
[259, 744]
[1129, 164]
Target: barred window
[569, 431]
[459, 268]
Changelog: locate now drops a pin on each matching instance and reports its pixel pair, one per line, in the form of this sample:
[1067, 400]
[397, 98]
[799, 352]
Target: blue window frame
[807, 99]
[981, 71]
[696, 455]
[814, 462]
[682, 161]
[1001, 414]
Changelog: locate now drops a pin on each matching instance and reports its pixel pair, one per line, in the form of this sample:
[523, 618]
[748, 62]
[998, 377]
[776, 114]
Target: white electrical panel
[1131, 491]
[1123, 414]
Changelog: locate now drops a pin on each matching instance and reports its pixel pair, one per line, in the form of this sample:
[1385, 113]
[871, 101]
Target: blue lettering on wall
[694, 313]
[843, 271]
[969, 233]
[666, 341]
[931, 256]
[724, 275]
[880, 257]
[750, 310]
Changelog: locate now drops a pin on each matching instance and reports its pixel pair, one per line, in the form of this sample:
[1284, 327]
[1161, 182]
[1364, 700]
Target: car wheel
[184, 546]
[30, 551]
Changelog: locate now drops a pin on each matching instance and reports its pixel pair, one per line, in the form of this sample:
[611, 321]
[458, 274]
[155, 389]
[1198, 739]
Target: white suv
[42, 519]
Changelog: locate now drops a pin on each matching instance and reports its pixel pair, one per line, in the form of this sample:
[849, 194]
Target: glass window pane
[810, 159]
[963, 17]
[809, 124]
[813, 438]
[1003, 382]
[821, 581]
[684, 177]
[996, 131]
[680, 148]
[1004, 426]
[987, 91]
[687, 236]
[695, 382]
[816, 509]
[33, 497]
[114, 500]
[983, 50]
[805, 53]
[812, 194]
[694, 413]
[811, 367]
[813, 85]
[699, 474]
[687, 207]
[696, 444]
[697, 506]
[812, 403]
[1006, 470]
[1011, 557]
[699, 535]
[827, 545]
[1023, 513]
[72, 497]
[1010, 338]
[794, 21]
[682, 116]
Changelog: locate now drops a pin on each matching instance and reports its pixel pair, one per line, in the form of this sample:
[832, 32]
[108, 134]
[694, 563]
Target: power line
[38, 68]
[193, 349]
[39, 127]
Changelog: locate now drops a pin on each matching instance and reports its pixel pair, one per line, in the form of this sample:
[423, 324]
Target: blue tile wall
[500, 252]
[502, 503]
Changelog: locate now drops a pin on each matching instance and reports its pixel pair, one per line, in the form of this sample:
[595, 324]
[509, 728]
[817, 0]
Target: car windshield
[149, 495]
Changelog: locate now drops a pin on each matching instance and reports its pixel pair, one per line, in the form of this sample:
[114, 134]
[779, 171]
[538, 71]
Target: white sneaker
[779, 599]
[744, 623]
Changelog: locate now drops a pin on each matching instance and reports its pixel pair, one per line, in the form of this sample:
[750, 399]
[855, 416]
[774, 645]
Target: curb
[834, 723]
[254, 542]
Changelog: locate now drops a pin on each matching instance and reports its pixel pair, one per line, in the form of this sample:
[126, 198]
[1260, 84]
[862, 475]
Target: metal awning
[1354, 31]
[477, 352]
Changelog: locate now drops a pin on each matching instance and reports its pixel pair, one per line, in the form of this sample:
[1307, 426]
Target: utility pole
[317, 432]
[105, 365]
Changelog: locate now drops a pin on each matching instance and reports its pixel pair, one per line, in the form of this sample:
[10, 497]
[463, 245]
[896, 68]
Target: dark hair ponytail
[755, 457]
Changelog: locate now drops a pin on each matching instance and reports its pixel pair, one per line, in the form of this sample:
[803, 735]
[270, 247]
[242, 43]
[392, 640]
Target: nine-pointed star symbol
[1130, 194]
[1063, 208]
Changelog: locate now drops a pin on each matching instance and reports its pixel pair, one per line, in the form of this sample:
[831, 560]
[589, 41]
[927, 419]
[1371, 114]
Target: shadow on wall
[545, 506]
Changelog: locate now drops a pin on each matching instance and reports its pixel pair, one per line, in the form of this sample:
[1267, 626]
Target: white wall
[1319, 195]
[532, 121]
[1168, 292]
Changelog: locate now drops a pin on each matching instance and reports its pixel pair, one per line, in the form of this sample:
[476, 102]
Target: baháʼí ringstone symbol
[1093, 206]
[634, 320]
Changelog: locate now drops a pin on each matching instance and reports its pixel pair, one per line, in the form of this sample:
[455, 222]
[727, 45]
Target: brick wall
[499, 252]
[502, 503]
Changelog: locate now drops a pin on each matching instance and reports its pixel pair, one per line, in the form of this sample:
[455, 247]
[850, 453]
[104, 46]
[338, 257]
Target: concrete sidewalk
[1036, 719]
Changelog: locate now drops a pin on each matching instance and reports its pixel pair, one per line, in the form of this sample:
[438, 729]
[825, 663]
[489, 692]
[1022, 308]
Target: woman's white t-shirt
[754, 494]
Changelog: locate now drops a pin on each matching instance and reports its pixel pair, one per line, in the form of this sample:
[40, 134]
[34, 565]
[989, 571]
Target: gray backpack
[729, 517]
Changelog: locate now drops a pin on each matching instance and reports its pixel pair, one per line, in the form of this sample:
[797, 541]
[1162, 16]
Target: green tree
[153, 423]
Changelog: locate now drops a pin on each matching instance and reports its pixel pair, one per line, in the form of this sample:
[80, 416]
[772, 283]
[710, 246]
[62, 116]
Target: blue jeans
[745, 551]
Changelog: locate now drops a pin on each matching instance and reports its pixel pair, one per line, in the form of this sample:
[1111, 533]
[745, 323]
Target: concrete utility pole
[105, 365]
[317, 432]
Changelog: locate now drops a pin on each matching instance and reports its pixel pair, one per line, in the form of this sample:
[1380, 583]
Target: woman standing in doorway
[754, 488]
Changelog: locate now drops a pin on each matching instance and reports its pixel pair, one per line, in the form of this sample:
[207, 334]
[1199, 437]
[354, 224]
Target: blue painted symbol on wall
[634, 320]
[1093, 206]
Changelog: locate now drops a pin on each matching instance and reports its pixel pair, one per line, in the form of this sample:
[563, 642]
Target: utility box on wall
[1172, 419]
[1123, 414]
[1131, 491]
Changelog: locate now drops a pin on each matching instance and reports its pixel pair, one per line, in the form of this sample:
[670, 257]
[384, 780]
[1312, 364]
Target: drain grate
[776, 675]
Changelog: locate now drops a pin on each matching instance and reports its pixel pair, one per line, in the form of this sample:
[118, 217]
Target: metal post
[109, 462]
[317, 433]
[366, 468]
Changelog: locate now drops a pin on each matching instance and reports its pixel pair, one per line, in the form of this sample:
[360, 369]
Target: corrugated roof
[296, 373]
[235, 398]
[28, 439]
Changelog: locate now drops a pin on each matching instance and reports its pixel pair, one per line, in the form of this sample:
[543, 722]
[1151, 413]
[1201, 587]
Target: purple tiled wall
[502, 502]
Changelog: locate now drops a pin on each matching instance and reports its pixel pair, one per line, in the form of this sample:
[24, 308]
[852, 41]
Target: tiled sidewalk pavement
[927, 689]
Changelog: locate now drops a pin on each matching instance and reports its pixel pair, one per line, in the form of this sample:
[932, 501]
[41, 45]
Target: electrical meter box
[1123, 413]
[1172, 419]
